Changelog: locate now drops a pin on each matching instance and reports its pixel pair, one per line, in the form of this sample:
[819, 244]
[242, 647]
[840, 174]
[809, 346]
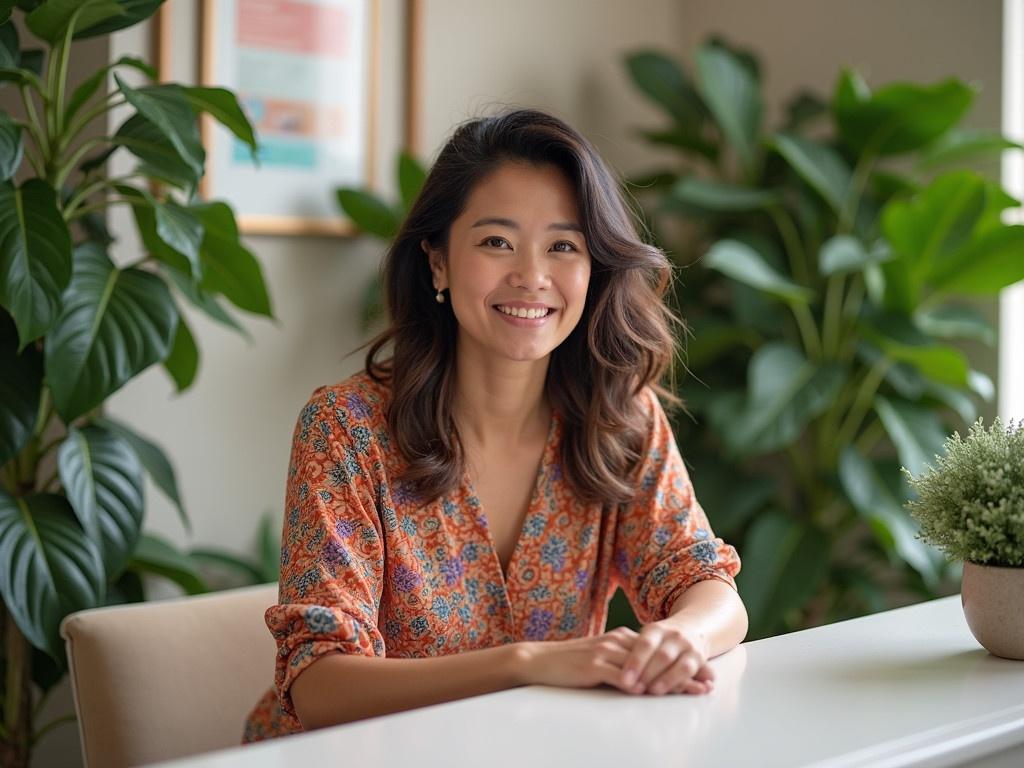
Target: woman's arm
[343, 688]
[714, 611]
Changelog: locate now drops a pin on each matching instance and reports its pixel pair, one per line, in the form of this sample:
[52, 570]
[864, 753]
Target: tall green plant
[821, 274]
[75, 327]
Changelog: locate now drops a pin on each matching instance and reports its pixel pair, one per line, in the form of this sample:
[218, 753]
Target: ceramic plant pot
[993, 602]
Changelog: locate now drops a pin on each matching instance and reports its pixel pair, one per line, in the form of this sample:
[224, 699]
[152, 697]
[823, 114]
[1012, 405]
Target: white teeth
[521, 312]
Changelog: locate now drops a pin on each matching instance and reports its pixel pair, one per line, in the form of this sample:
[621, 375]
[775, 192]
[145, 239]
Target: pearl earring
[439, 298]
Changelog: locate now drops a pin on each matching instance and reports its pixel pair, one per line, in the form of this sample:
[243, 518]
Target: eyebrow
[566, 225]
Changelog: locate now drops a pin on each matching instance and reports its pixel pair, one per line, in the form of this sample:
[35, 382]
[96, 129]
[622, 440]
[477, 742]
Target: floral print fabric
[369, 568]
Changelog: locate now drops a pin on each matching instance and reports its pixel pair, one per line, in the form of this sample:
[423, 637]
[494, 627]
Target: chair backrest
[164, 679]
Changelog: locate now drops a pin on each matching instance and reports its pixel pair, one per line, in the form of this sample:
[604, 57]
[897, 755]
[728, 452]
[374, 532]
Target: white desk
[905, 687]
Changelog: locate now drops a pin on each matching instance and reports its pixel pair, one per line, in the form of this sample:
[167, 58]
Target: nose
[530, 270]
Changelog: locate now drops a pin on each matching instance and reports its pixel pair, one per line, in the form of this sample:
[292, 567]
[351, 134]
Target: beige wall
[229, 435]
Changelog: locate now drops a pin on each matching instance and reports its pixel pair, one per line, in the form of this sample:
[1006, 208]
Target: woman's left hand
[668, 659]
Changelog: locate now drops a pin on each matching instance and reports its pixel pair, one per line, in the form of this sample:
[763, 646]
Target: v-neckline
[534, 496]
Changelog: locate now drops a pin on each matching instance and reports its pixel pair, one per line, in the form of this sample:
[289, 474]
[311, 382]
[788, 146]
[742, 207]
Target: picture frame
[317, 130]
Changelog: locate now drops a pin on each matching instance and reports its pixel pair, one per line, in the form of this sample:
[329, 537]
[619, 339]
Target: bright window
[1011, 315]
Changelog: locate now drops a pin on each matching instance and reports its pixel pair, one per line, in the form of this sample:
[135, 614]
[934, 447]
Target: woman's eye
[570, 249]
[489, 242]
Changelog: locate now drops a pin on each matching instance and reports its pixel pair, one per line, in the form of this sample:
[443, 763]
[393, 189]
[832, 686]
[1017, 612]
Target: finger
[611, 674]
[676, 673]
[640, 658]
[706, 673]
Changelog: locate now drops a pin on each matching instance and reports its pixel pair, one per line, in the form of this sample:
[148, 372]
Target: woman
[459, 514]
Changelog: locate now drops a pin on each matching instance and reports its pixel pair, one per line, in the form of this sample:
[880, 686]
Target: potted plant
[75, 327]
[829, 265]
[971, 506]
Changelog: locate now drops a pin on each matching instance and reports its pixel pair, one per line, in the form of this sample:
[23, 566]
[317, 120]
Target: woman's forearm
[713, 609]
[341, 688]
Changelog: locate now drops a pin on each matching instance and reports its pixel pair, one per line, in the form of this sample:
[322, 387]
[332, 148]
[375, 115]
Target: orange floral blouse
[367, 567]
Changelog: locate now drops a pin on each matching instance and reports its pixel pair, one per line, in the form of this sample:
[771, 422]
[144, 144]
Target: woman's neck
[500, 402]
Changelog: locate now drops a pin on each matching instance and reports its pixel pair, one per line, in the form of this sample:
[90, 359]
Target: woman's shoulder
[357, 399]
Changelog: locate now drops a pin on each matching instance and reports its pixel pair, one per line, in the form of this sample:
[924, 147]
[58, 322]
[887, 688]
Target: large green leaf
[154, 460]
[134, 12]
[222, 105]
[955, 321]
[732, 94]
[89, 86]
[665, 83]
[746, 265]
[785, 561]
[6, 6]
[177, 227]
[818, 165]
[146, 141]
[21, 382]
[986, 265]
[167, 107]
[229, 267]
[156, 556]
[369, 213]
[35, 257]
[204, 300]
[891, 525]
[102, 478]
[915, 430]
[935, 223]
[963, 146]
[900, 117]
[841, 254]
[115, 324]
[183, 362]
[48, 569]
[11, 147]
[411, 177]
[901, 340]
[710, 195]
[784, 392]
[51, 20]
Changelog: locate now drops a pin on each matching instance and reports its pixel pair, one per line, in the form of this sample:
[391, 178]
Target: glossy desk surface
[905, 687]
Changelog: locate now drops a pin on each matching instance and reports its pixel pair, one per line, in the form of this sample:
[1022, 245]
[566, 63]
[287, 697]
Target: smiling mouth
[523, 313]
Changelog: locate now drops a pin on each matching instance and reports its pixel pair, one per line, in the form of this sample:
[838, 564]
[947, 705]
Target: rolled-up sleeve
[663, 539]
[332, 550]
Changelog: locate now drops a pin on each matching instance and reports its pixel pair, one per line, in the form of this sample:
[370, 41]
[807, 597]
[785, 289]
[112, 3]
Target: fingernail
[630, 676]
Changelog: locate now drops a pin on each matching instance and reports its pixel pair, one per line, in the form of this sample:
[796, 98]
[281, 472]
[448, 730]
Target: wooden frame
[293, 224]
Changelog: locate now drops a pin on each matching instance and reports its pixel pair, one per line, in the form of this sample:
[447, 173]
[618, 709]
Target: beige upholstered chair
[159, 680]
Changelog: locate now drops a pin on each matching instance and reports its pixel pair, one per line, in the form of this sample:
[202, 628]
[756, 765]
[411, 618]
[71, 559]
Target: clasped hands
[661, 658]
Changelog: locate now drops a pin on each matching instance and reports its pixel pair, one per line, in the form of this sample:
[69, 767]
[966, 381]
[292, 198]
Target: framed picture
[306, 73]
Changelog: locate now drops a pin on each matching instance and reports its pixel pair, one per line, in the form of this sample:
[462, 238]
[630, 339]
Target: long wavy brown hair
[623, 342]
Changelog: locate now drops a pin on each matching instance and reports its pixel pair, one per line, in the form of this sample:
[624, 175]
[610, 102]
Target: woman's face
[517, 249]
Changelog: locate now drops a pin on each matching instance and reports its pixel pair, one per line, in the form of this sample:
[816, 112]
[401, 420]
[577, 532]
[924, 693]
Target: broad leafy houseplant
[823, 265]
[75, 327]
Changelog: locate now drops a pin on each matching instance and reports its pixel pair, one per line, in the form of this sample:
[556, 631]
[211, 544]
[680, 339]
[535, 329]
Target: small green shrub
[971, 504]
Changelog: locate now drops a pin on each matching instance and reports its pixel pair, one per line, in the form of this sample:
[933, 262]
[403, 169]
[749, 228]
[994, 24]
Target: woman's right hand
[584, 662]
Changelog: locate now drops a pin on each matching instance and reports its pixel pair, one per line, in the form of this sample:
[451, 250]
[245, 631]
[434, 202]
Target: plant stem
[870, 437]
[791, 240]
[848, 213]
[808, 330]
[862, 403]
[833, 309]
[78, 125]
[67, 167]
[100, 206]
[90, 189]
[15, 668]
[34, 128]
[62, 76]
